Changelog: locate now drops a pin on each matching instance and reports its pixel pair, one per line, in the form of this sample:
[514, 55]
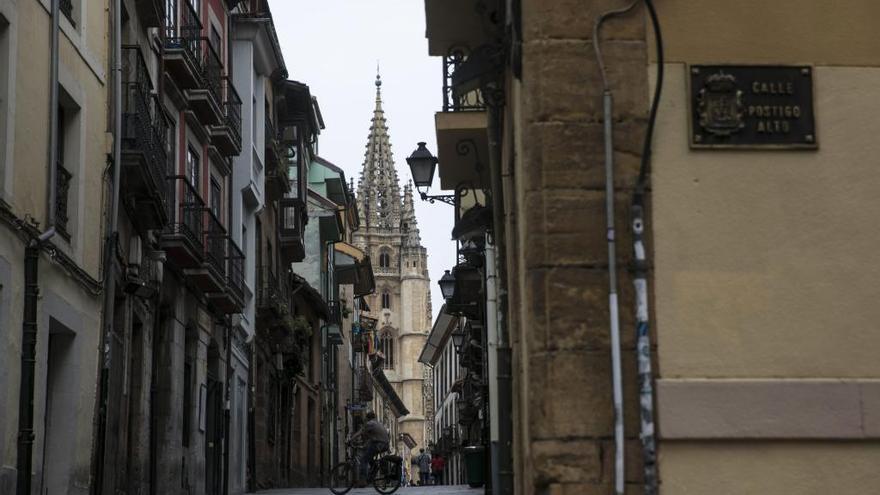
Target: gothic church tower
[402, 302]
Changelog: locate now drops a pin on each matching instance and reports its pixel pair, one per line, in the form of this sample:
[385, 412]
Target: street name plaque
[751, 106]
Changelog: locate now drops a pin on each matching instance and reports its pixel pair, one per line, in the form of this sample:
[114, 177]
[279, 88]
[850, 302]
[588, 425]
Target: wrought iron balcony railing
[212, 70]
[271, 289]
[186, 33]
[454, 101]
[215, 243]
[236, 269]
[187, 210]
[144, 125]
[62, 190]
[232, 108]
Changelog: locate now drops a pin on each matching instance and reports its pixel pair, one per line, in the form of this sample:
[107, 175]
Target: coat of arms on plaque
[720, 105]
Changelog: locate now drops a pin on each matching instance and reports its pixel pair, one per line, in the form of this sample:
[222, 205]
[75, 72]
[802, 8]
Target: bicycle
[383, 472]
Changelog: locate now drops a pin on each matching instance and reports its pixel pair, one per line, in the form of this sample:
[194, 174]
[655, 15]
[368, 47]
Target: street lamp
[447, 285]
[458, 338]
[422, 165]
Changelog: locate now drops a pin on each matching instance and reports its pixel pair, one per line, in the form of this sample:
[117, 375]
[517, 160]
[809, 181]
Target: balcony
[450, 23]
[210, 276]
[183, 239]
[462, 138]
[277, 180]
[272, 294]
[184, 50]
[292, 227]
[231, 300]
[206, 98]
[144, 155]
[227, 136]
[151, 13]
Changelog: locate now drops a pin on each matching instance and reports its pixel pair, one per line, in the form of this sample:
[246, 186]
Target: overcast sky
[333, 46]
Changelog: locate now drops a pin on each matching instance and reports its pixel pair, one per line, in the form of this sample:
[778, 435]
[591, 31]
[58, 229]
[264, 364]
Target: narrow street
[409, 490]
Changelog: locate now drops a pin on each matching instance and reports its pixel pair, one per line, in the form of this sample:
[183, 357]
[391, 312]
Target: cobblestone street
[409, 490]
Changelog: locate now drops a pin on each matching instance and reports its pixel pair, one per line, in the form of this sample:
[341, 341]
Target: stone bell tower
[402, 302]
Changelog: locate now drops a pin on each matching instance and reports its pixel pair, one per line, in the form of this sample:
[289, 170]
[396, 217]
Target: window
[192, 167]
[187, 403]
[62, 181]
[171, 18]
[244, 243]
[386, 300]
[67, 165]
[384, 259]
[386, 345]
[215, 40]
[216, 198]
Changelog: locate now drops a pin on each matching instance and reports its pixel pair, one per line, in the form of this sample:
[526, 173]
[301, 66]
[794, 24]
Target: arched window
[384, 259]
[386, 300]
[386, 345]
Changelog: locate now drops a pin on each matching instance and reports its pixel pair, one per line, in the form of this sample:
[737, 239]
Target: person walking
[438, 465]
[424, 462]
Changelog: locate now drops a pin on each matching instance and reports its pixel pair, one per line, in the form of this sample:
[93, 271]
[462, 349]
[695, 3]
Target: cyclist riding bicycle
[375, 438]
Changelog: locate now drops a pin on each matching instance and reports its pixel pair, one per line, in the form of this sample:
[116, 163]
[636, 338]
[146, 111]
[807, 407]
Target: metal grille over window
[61, 195]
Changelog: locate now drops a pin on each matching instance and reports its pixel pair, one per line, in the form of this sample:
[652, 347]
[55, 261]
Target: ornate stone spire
[378, 193]
[409, 224]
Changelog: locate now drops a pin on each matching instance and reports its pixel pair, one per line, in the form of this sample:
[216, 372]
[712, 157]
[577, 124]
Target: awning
[353, 253]
[441, 330]
[386, 390]
[354, 267]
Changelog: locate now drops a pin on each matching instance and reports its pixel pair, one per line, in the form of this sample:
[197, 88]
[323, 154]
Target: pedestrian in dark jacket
[424, 462]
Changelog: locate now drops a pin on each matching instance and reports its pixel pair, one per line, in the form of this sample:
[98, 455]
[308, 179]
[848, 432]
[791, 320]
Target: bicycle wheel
[387, 478]
[342, 478]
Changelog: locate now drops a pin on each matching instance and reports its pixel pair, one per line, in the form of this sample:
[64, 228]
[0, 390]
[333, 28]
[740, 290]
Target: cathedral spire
[410, 225]
[378, 191]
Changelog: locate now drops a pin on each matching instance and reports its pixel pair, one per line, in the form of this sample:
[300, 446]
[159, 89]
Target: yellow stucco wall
[82, 69]
[764, 259]
[821, 32]
[750, 468]
[766, 264]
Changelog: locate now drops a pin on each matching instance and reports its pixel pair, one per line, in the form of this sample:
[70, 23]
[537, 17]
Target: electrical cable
[645, 167]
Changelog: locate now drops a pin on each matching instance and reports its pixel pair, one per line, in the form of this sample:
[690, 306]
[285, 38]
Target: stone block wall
[553, 162]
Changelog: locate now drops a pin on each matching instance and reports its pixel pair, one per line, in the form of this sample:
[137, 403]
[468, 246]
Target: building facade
[401, 305]
[53, 142]
[729, 357]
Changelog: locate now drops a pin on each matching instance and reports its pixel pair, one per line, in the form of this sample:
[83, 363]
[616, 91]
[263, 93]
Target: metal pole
[616, 371]
[28, 361]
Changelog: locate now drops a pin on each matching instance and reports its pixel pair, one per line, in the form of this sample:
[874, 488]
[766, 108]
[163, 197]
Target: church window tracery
[386, 345]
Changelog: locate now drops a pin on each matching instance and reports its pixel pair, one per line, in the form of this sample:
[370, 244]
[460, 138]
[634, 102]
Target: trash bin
[475, 465]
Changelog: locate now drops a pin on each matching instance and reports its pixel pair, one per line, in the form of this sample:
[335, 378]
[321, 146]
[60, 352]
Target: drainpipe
[110, 247]
[502, 451]
[24, 460]
[616, 368]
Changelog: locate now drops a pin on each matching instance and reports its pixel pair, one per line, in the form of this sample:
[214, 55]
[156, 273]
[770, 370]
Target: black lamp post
[447, 285]
[422, 165]
[458, 339]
